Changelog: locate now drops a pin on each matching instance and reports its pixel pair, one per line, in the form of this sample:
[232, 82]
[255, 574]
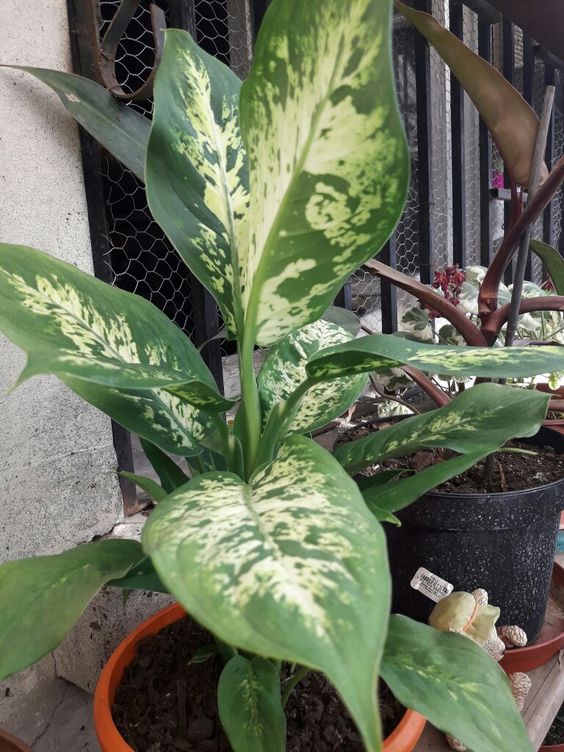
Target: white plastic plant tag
[431, 585]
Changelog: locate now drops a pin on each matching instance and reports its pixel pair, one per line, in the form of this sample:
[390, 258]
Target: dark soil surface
[164, 704]
[512, 471]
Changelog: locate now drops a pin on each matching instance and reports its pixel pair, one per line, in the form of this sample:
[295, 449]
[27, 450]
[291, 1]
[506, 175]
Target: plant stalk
[250, 405]
[293, 681]
[523, 252]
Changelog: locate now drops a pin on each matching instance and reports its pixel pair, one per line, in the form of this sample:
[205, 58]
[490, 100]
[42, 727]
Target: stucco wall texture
[58, 471]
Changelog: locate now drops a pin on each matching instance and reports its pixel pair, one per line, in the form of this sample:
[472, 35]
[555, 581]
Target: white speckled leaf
[455, 684]
[196, 171]
[291, 566]
[284, 369]
[50, 307]
[379, 351]
[250, 705]
[480, 419]
[327, 156]
[108, 370]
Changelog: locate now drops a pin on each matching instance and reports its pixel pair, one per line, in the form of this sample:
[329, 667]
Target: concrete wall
[58, 482]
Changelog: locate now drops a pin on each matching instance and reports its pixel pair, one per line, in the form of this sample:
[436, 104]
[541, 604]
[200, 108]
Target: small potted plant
[272, 193]
[477, 529]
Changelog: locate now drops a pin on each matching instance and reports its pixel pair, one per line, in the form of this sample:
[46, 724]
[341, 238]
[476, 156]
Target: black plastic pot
[503, 542]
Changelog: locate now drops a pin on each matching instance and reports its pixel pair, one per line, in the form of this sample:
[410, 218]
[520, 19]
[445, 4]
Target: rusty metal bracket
[107, 50]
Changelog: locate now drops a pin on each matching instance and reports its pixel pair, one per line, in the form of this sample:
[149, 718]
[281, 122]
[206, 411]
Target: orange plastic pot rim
[403, 739]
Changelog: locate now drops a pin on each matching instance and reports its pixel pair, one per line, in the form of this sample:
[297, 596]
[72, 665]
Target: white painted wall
[58, 481]
[58, 469]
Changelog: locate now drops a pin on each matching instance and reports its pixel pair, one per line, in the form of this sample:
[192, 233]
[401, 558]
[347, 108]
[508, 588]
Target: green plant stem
[279, 422]
[250, 405]
[225, 651]
[292, 682]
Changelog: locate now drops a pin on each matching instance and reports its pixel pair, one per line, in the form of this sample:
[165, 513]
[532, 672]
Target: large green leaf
[510, 119]
[111, 370]
[250, 705]
[553, 262]
[197, 180]
[41, 598]
[284, 370]
[379, 352]
[480, 419]
[455, 684]
[291, 566]
[121, 130]
[50, 308]
[383, 500]
[327, 156]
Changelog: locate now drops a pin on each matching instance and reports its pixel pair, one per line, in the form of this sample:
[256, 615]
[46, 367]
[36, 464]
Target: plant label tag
[431, 585]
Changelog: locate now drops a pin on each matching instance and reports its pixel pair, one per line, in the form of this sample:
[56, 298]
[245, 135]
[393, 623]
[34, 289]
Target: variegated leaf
[480, 419]
[379, 352]
[344, 318]
[250, 705]
[284, 369]
[41, 598]
[48, 306]
[455, 684]
[327, 156]
[196, 171]
[291, 566]
[108, 370]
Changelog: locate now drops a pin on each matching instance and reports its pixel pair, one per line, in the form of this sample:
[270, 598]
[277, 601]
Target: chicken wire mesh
[471, 147]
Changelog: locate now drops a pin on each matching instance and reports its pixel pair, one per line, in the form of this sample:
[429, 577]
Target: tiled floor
[55, 718]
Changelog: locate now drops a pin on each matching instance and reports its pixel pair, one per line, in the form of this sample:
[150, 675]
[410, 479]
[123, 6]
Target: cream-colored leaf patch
[114, 349]
[284, 370]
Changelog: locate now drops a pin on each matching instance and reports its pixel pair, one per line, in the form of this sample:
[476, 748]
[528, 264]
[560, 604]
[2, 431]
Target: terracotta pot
[9, 743]
[552, 748]
[403, 739]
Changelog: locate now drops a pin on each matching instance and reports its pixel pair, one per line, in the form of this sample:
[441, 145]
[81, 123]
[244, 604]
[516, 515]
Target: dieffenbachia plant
[272, 192]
